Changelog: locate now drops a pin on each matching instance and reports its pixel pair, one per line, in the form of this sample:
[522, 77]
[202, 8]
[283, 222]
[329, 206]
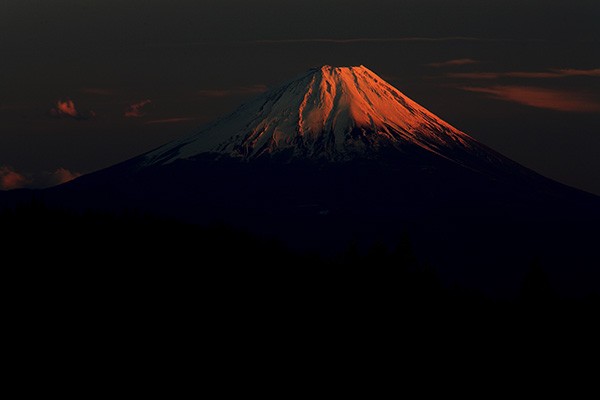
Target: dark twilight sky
[85, 84]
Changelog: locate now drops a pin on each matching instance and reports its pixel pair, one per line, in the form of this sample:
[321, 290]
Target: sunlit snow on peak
[332, 113]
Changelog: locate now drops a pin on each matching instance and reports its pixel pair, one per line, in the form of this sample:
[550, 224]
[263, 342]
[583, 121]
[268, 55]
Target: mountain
[334, 115]
[338, 154]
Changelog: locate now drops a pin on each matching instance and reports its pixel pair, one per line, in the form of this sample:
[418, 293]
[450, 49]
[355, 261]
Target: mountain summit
[329, 113]
[334, 138]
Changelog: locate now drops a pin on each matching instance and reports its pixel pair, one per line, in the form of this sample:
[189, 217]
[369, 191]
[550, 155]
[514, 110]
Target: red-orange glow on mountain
[328, 113]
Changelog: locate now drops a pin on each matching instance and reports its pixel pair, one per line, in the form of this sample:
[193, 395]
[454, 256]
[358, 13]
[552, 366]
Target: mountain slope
[338, 154]
[332, 114]
[332, 139]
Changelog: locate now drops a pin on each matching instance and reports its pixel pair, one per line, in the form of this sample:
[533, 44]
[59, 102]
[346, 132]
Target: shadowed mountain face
[338, 154]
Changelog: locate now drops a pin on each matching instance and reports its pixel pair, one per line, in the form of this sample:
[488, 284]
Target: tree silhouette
[352, 257]
[378, 255]
[130, 255]
[404, 255]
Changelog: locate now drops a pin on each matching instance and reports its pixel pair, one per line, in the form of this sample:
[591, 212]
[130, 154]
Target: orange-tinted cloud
[67, 109]
[552, 99]
[169, 120]
[552, 73]
[578, 72]
[451, 63]
[10, 179]
[61, 175]
[243, 90]
[64, 108]
[134, 109]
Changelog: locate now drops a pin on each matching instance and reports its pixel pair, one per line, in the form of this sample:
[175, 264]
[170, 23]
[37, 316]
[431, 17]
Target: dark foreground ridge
[478, 231]
[127, 297]
[100, 258]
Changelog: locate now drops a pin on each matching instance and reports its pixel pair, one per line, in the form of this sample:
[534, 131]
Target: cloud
[134, 109]
[169, 120]
[341, 41]
[242, 90]
[10, 179]
[451, 63]
[67, 109]
[61, 175]
[558, 100]
[98, 91]
[375, 40]
[551, 73]
[475, 75]
[578, 72]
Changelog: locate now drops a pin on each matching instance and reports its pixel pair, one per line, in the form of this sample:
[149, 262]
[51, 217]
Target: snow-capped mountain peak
[331, 113]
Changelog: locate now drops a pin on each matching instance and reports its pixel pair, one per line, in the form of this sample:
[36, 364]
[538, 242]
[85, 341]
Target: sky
[85, 84]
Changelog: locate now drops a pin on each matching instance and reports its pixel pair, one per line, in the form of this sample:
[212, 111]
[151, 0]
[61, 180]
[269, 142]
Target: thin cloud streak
[374, 40]
[254, 89]
[170, 120]
[338, 41]
[553, 73]
[452, 63]
[98, 91]
[557, 100]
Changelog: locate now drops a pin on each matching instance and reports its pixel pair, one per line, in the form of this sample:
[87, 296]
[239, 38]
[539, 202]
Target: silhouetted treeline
[145, 262]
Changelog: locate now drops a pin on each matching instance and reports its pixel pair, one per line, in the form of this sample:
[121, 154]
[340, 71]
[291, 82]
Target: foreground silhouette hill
[92, 260]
